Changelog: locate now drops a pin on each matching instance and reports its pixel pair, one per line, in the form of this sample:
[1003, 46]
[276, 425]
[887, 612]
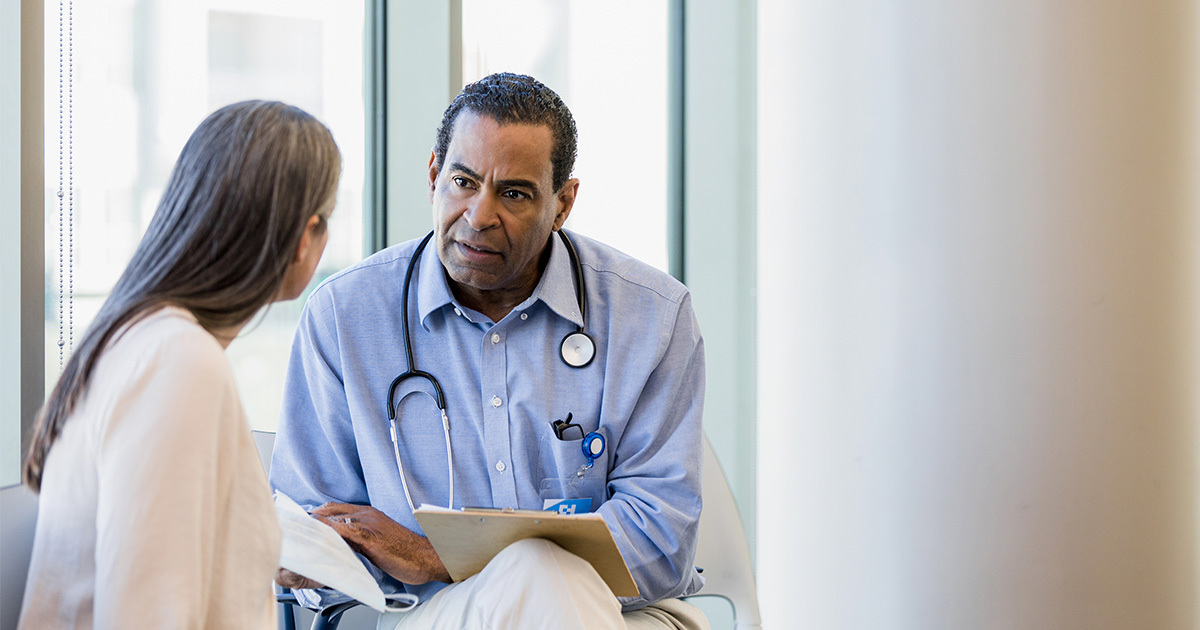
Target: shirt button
[495, 338]
[524, 315]
[500, 466]
[496, 402]
[457, 312]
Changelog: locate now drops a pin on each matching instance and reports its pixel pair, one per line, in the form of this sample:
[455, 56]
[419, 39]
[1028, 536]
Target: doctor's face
[493, 207]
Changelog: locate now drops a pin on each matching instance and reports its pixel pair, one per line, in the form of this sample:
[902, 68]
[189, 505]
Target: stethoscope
[577, 350]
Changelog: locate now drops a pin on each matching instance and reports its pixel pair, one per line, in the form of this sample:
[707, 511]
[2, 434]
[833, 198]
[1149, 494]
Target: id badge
[567, 506]
[556, 493]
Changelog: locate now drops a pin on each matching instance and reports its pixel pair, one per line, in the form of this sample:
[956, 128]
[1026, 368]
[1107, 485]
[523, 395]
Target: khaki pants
[536, 584]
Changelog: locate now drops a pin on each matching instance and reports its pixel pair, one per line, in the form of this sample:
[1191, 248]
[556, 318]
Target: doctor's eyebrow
[465, 170]
[503, 183]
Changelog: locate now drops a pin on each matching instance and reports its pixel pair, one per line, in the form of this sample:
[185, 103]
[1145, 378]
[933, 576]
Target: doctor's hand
[397, 550]
[294, 581]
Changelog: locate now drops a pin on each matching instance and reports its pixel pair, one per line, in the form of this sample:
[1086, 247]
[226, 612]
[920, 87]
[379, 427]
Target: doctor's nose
[481, 213]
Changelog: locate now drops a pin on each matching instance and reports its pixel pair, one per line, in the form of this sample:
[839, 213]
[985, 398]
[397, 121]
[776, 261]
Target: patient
[154, 509]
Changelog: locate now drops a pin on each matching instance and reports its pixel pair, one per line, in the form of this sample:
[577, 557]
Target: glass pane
[608, 61]
[146, 72]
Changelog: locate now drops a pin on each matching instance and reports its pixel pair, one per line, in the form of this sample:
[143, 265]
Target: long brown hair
[219, 245]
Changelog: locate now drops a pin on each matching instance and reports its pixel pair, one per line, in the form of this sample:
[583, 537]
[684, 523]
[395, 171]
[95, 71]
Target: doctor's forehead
[480, 144]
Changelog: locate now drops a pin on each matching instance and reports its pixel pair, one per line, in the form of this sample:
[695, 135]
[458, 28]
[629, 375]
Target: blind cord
[70, 176]
[66, 185]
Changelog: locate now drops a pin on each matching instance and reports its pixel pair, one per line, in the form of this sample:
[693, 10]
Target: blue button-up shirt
[504, 383]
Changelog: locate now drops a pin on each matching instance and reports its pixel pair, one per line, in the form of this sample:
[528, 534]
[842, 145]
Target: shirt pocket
[565, 474]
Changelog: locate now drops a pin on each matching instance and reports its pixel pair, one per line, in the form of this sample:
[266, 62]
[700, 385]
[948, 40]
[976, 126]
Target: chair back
[722, 550]
[18, 508]
[264, 441]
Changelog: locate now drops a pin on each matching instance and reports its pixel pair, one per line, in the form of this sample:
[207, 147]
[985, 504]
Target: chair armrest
[326, 618]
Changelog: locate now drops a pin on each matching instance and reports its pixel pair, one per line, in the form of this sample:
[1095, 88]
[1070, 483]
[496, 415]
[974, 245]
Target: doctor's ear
[566, 201]
[433, 173]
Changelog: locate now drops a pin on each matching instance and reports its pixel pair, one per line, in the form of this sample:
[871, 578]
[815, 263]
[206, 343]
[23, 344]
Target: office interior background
[943, 254]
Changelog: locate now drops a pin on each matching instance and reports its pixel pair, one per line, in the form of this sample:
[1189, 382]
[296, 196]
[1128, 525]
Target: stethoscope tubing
[580, 336]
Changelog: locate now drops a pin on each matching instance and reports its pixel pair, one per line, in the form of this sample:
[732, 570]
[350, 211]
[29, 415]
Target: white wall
[977, 324]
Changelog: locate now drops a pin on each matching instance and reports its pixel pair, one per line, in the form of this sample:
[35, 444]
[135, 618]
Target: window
[609, 63]
[145, 74]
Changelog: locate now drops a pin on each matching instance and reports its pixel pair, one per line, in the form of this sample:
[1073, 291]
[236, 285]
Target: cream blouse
[154, 510]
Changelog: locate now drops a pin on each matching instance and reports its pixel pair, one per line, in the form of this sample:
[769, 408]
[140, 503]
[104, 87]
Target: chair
[722, 551]
[18, 507]
[264, 441]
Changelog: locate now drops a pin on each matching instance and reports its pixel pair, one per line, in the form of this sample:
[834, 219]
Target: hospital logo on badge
[567, 506]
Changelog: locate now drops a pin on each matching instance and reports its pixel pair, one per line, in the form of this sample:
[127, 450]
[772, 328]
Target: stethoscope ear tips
[578, 349]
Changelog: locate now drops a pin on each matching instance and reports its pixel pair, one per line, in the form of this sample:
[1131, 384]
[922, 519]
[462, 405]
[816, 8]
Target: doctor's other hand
[294, 581]
[400, 552]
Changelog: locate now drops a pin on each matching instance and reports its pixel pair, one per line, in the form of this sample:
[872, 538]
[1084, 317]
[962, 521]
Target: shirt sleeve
[315, 460]
[162, 489]
[654, 483]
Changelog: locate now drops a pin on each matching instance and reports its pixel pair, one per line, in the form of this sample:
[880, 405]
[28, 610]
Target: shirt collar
[556, 287]
[433, 290]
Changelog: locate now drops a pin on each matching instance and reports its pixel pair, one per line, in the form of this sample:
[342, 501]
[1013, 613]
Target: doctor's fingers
[292, 580]
[368, 531]
[363, 535]
[346, 513]
[333, 513]
[335, 509]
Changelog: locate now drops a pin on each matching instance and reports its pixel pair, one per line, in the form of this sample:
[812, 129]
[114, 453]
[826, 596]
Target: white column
[977, 314]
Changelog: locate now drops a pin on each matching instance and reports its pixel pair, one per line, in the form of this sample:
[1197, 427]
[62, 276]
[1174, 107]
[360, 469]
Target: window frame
[22, 204]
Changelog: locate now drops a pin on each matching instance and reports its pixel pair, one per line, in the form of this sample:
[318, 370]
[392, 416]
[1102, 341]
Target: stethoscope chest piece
[578, 349]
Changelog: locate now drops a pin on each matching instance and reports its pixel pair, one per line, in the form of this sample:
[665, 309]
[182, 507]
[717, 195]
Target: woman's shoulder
[172, 327]
[163, 371]
[167, 340]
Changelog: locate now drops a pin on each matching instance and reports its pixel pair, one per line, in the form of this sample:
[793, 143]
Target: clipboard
[466, 540]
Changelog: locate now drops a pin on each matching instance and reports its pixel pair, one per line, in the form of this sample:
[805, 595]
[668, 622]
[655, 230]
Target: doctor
[468, 351]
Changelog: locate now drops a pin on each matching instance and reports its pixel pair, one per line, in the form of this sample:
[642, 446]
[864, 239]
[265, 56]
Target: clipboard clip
[502, 510]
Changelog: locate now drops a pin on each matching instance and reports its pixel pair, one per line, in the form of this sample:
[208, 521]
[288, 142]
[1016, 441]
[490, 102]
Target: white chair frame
[722, 551]
[18, 509]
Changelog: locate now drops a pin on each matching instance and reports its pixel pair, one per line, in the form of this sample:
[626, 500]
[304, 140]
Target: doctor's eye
[461, 182]
[514, 194]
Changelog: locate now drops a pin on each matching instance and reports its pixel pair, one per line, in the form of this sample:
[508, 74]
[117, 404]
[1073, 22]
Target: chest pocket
[566, 476]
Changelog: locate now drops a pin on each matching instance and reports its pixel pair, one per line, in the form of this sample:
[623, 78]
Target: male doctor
[489, 302]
